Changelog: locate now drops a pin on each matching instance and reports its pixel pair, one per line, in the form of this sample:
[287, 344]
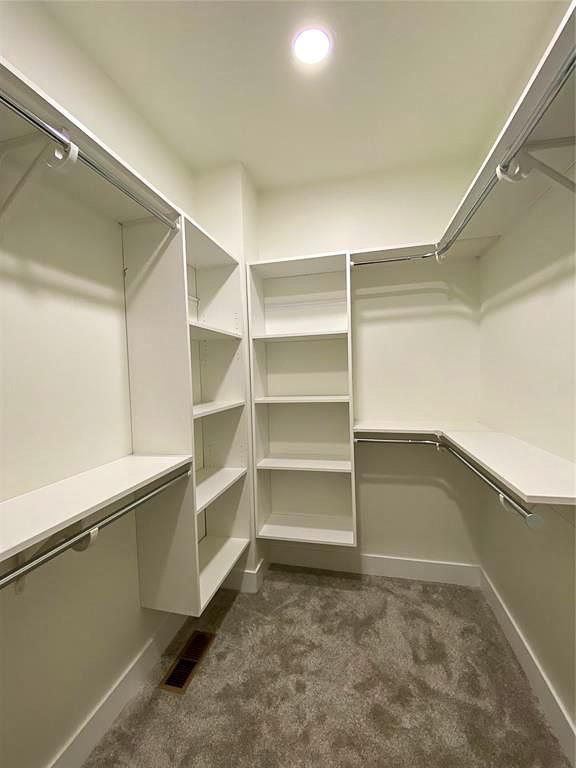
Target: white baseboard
[247, 580]
[351, 561]
[558, 717]
[90, 732]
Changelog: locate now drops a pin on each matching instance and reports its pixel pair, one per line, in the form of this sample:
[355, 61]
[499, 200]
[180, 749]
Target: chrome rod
[531, 519]
[60, 138]
[450, 237]
[393, 259]
[447, 241]
[50, 554]
[398, 441]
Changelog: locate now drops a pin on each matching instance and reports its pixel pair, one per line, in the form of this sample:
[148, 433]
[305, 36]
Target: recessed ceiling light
[311, 45]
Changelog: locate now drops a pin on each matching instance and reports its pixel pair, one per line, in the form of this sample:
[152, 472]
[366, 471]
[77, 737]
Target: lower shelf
[217, 556]
[311, 529]
[211, 483]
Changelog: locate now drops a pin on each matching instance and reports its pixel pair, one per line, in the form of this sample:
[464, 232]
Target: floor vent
[180, 673]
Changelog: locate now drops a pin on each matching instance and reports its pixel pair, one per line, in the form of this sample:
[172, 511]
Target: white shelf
[211, 483]
[32, 517]
[303, 265]
[216, 406]
[309, 529]
[306, 465]
[303, 336]
[271, 399]
[534, 475]
[203, 332]
[217, 556]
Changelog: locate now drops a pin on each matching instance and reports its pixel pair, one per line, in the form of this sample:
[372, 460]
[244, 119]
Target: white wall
[416, 341]
[77, 626]
[528, 327]
[372, 211]
[32, 41]
[528, 356]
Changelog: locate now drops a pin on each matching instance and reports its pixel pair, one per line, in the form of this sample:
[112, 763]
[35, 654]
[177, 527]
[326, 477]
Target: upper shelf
[304, 265]
[534, 475]
[32, 517]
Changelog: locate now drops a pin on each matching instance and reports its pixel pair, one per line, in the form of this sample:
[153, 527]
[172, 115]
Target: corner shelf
[212, 483]
[200, 410]
[534, 475]
[306, 465]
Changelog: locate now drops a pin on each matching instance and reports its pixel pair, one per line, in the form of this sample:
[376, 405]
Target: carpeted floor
[327, 670]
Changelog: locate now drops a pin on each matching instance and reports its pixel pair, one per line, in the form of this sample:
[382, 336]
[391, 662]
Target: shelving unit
[221, 430]
[301, 383]
[185, 555]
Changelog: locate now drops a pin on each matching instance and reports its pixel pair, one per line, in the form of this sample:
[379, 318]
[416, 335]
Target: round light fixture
[311, 45]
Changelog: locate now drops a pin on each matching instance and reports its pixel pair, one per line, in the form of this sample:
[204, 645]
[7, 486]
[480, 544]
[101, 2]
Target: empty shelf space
[33, 517]
[217, 556]
[271, 399]
[212, 483]
[312, 529]
[216, 406]
[306, 465]
[300, 336]
[203, 332]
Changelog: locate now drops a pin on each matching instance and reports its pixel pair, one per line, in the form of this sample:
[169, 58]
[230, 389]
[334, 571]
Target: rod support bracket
[87, 541]
[61, 157]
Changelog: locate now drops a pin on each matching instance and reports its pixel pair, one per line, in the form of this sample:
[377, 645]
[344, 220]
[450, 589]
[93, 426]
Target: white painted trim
[556, 713]
[247, 580]
[94, 726]
[351, 561]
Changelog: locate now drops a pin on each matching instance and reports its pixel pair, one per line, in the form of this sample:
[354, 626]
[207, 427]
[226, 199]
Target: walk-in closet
[287, 384]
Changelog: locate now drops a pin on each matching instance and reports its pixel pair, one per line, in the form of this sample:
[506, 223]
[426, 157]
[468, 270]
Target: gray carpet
[336, 671]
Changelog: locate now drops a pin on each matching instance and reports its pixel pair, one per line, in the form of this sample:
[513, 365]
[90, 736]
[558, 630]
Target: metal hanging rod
[449, 238]
[531, 519]
[84, 537]
[64, 141]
